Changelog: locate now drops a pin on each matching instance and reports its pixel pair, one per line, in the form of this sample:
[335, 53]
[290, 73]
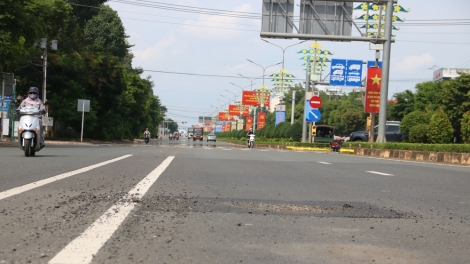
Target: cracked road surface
[194, 202]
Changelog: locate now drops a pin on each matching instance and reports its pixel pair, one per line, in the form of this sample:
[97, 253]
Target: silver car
[211, 137]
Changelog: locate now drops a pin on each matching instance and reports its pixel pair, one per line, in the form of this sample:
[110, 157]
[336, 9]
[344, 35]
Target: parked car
[211, 137]
[392, 133]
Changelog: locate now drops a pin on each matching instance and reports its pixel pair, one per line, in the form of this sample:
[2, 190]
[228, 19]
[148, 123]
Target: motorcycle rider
[250, 132]
[33, 100]
[147, 132]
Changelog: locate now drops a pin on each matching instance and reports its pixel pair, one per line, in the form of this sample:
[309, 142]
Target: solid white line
[86, 246]
[322, 162]
[30, 186]
[380, 173]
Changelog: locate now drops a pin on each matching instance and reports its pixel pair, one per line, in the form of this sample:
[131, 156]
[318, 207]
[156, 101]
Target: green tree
[403, 106]
[296, 131]
[23, 23]
[440, 129]
[105, 33]
[465, 127]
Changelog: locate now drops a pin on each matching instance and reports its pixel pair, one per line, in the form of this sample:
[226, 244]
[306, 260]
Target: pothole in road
[311, 208]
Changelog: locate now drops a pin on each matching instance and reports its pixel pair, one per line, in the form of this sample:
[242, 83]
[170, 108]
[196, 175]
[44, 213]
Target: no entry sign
[315, 102]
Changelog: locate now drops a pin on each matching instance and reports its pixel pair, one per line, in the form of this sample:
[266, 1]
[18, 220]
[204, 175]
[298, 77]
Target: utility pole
[385, 72]
[293, 108]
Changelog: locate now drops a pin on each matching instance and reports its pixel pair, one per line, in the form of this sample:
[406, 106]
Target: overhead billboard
[277, 16]
[326, 18]
[255, 98]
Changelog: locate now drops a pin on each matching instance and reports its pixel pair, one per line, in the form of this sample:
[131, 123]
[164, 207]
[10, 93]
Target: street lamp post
[263, 87]
[283, 55]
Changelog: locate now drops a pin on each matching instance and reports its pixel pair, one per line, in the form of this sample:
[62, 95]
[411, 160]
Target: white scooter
[251, 141]
[30, 130]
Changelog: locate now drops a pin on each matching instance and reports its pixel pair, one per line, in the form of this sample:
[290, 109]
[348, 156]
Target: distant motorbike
[251, 141]
[30, 130]
[146, 137]
[170, 136]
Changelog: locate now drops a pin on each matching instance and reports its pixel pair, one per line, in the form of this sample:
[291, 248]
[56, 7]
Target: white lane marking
[244, 149]
[30, 186]
[380, 173]
[84, 247]
[322, 162]
[263, 150]
[226, 149]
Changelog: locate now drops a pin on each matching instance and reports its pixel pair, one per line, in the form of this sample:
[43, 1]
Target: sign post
[83, 106]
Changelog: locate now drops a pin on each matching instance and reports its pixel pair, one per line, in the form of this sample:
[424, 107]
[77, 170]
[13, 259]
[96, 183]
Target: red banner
[223, 116]
[229, 126]
[374, 82]
[234, 110]
[249, 123]
[254, 98]
[261, 120]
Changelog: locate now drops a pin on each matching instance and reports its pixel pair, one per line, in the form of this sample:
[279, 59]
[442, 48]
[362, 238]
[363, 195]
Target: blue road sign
[337, 76]
[372, 64]
[354, 73]
[346, 72]
[313, 114]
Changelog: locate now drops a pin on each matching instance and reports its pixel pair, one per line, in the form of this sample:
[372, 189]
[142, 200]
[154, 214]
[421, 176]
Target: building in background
[447, 73]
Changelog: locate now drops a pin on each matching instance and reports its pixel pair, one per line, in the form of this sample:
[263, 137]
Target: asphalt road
[194, 202]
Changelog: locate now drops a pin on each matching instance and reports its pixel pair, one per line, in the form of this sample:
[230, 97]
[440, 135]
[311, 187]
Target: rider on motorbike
[33, 100]
[147, 132]
[250, 132]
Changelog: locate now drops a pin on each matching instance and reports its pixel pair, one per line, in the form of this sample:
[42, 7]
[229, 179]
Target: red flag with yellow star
[374, 82]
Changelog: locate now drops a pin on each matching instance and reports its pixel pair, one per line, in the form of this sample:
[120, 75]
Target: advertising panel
[253, 98]
[280, 117]
[261, 120]
[223, 116]
[372, 102]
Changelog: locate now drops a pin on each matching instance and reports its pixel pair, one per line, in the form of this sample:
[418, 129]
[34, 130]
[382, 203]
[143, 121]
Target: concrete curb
[409, 155]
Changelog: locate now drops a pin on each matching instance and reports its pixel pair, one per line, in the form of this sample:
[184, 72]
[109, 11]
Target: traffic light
[368, 123]
[314, 130]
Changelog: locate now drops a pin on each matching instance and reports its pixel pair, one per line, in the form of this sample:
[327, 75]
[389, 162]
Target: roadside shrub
[465, 127]
[440, 129]
[412, 119]
[418, 134]
[295, 131]
[285, 130]
[270, 131]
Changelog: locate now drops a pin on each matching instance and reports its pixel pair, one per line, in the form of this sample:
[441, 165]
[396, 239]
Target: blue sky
[175, 41]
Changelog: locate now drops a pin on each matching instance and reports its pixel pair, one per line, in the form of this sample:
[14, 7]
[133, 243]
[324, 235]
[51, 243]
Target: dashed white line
[84, 247]
[30, 186]
[322, 162]
[263, 149]
[226, 149]
[380, 173]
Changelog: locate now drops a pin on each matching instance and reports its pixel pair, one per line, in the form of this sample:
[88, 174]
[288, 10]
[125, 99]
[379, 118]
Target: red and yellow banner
[261, 120]
[374, 82]
[228, 126]
[254, 98]
[223, 116]
[249, 123]
[234, 110]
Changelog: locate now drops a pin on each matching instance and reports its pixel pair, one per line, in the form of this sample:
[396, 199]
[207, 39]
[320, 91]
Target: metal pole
[3, 105]
[14, 113]
[254, 119]
[304, 123]
[293, 108]
[83, 117]
[385, 73]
